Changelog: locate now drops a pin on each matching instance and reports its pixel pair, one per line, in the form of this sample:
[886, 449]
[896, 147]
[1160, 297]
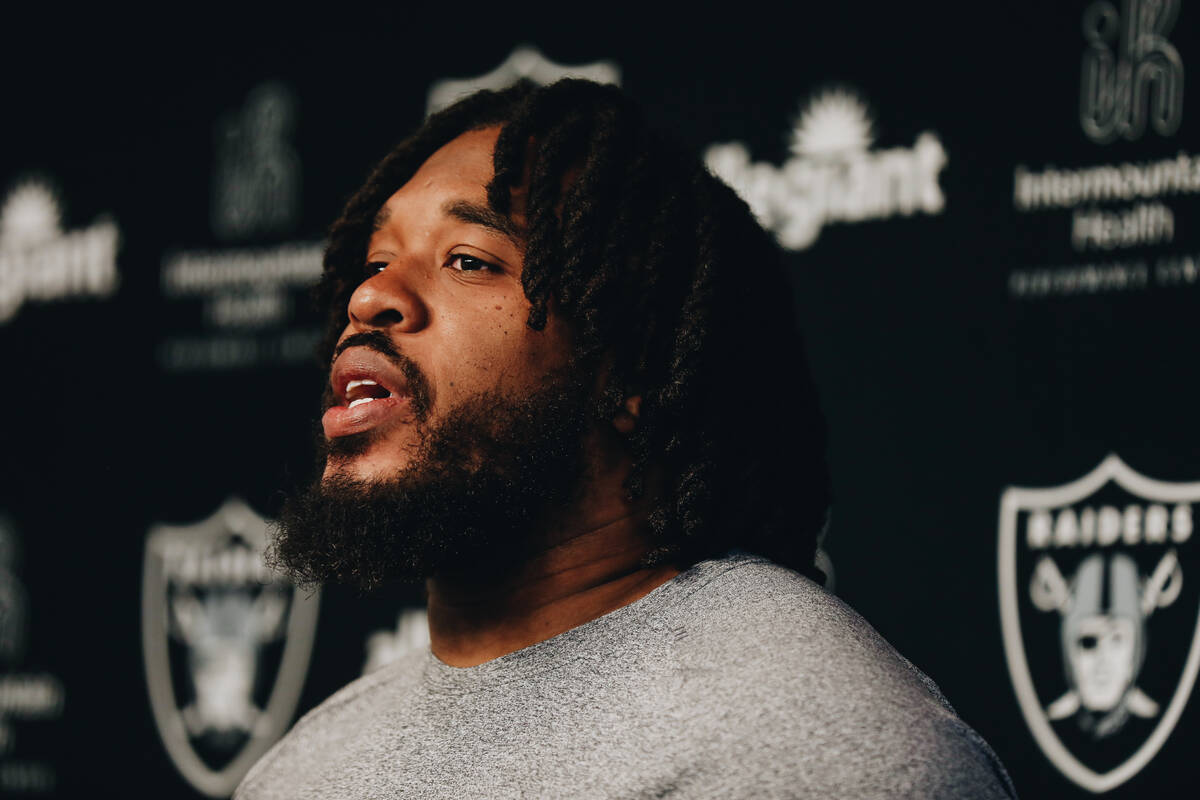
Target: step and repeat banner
[987, 219]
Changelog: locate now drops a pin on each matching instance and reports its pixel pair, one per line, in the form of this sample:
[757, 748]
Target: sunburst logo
[30, 216]
[833, 174]
[833, 124]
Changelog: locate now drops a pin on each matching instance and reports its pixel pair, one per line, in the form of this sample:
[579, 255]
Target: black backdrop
[960, 349]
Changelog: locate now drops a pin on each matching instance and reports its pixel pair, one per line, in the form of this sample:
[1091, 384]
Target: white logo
[833, 175]
[524, 62]
[1132, 76]
[248, 295]
[256, 179]
[13, 601]
[1131, 73]
[411, 634]
[236, 637]
[1091, 586]
[39, 261]
[25, 697]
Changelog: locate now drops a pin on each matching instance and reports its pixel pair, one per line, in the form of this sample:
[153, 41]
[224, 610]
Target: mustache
[375, 340]
[418, 385]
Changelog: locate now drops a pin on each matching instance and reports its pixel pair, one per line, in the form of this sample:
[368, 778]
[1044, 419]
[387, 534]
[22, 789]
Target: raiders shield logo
[1100, 610]
[226, 643]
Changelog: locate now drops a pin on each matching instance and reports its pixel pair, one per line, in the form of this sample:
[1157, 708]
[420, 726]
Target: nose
[386, 300]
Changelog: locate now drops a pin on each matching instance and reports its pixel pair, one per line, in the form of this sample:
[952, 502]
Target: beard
[471, 500]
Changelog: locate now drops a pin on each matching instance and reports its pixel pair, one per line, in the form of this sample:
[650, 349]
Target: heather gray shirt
[736, 679]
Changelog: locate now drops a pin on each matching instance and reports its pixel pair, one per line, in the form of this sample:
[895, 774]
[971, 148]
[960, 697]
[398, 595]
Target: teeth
[362, 391]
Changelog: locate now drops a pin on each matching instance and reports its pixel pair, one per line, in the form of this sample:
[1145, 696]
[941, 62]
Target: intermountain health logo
[248, 296]
[1132, 75]
[256, 174]
[1100, 617]
[40, 261]
[833, 174]
[31, 702]
[226, 643]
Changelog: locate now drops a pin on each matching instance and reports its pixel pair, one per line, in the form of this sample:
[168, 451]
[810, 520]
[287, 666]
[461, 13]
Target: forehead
[460, 168]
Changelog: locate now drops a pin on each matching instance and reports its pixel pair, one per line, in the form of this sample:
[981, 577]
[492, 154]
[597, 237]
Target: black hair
[666, 279]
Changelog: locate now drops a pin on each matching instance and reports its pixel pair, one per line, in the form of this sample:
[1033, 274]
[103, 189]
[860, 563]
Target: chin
[360, 469]
[364, 457]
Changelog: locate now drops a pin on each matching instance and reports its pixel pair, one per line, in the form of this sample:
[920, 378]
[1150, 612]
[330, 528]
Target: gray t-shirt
[737, 678]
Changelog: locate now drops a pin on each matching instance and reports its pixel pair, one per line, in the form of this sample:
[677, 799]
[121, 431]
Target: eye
[373, 268]
[462, 262]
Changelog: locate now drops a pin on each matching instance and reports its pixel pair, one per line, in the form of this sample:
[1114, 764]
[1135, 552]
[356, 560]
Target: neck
[576, 577]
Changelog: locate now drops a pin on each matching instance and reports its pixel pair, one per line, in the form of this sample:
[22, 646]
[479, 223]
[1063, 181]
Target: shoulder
[793, 622]
[756, 621]
[343, 714]
[792, 669]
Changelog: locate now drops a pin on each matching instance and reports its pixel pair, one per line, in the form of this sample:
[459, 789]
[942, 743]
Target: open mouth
[368, 392]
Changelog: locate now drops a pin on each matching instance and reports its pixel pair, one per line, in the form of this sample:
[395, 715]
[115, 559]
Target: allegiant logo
[41, 262]
[833, 175]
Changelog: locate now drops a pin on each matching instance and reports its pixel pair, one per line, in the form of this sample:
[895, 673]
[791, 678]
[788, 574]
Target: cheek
[493, 348]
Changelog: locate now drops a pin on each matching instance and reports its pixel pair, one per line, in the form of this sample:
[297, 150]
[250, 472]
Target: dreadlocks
[669, 283]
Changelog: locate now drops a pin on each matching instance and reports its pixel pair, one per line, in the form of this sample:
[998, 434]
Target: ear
[626, 419]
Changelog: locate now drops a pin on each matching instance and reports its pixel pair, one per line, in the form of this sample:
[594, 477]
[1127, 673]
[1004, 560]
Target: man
[568, 393]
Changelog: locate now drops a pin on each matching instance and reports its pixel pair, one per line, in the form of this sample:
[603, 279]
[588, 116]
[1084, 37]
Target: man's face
[452, 428]
[1104, 659]
[444, 288]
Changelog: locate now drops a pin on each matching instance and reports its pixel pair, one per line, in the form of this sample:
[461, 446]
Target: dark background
[941, 388]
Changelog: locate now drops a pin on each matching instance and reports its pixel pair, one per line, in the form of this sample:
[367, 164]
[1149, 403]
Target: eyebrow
[485, 217]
